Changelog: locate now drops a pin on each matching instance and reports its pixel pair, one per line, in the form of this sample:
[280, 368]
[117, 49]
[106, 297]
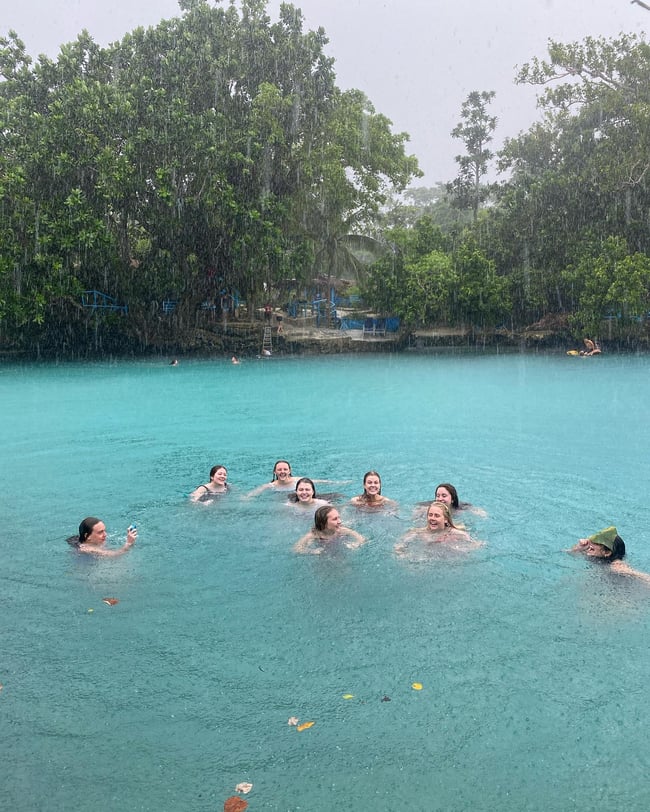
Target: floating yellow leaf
[417, 686]
[348, 696]
[305, 726]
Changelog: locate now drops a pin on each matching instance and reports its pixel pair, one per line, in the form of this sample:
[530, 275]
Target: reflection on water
[533, 663]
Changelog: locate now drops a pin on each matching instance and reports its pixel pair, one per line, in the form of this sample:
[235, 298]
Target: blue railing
[97, 300]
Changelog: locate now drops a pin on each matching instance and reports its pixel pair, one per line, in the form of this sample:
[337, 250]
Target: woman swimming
[440, 529]
[92, 538]
[281, 480]
[217, 484]
[328, 533]
[305, 494]
[447, 493]
[371, 496]
[609, 548]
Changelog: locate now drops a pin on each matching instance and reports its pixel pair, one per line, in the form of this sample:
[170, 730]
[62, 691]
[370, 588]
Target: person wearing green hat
[607, 546]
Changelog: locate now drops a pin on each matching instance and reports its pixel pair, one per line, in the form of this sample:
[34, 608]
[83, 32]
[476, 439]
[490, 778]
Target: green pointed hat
[605, 537]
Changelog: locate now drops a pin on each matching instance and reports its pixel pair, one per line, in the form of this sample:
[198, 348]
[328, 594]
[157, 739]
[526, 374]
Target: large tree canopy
[212, 152]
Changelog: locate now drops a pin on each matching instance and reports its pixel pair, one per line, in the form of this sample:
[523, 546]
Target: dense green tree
[475, 130]
[613, 283]
[210, 153]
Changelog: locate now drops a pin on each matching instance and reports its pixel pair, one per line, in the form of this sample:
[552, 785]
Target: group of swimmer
[329, 533]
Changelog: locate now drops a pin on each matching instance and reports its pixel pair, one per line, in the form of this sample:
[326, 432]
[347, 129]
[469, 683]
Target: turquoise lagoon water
[535, 665]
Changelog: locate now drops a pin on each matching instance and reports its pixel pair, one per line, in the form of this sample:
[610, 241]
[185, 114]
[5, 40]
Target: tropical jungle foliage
[566, 236]
[214, 156]
[210, 156]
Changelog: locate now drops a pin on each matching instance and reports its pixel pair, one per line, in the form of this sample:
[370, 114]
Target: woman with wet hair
[305, 494]
[282, 479]
[92, 538]
[328, 534]
[607, 547]
[372, 497]
[447, 493]
[439, 529]
[217, 485]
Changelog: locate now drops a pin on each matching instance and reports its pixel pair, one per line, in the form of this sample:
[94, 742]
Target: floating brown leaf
[234, 804]
[110, 601]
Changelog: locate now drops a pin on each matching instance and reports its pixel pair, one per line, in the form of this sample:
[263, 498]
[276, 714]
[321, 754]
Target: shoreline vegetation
[180, 202]
[299, 337]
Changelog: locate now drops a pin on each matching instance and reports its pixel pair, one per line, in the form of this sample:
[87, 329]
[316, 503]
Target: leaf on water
[417, 686]
[234, 804]
[348, 696]
[244, 787]
[110, 601]
[305, 726]
[293, 720]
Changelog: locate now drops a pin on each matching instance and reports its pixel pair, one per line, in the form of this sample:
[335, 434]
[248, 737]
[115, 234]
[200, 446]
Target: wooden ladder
[266, 341]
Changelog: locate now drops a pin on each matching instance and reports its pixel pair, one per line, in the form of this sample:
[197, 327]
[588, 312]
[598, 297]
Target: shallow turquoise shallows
[534, 664]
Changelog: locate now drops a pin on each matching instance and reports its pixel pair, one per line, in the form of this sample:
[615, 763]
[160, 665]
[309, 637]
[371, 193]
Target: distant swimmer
[173, 363]
[372, 496]
[608, 547]
[234, 360]
[591, 347]
[92, 538]
[328, 534]
[218, 484]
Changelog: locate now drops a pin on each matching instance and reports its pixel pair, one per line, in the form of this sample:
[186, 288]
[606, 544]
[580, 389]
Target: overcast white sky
[415, 59]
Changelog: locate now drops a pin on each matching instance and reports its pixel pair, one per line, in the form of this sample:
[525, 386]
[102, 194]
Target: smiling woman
[92, 538]
[371, 496]
[609, 548]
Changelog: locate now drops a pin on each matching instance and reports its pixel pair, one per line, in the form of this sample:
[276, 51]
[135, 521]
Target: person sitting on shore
[92, 538]
[591, 347]
[371, 497]
[305, 495]
[217, 485]
[328, 534]
[439, 529]
[608, 547]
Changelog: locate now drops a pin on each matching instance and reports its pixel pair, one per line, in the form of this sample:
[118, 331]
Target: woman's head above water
[371, 484]
[305, 490]
[91, 528]
[445, 492]
[439, 517]
[281, 471]
[327, 519]
[606, 545]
